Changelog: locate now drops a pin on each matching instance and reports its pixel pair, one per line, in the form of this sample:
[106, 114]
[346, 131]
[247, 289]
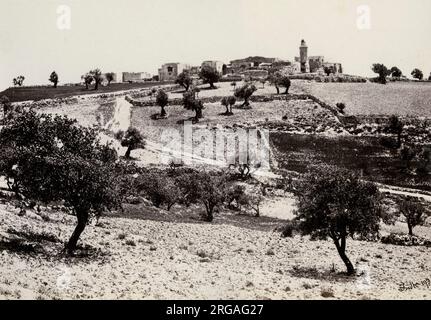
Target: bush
[388, 142]
[159, 188]
[289, 229]
[405, 240]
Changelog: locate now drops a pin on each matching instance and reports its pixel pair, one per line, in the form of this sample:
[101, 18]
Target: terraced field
[402, 98]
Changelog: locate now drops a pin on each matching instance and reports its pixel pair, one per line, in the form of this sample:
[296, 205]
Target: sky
[141, 35]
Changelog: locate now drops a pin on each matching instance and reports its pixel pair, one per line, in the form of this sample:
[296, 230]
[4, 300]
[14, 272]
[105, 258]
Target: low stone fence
[256, 98]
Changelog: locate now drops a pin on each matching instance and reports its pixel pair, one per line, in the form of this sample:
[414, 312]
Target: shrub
[131, 242]
[395, 126]
[159, 188]
[407, 154]
[405, 240]
[336, 203]
[327, 293]
[388, 142]
[289, 229]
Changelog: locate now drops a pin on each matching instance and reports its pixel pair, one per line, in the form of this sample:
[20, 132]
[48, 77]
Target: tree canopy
[209, 75]
[54, 159]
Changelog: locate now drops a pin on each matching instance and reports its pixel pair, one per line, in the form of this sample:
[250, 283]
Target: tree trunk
[86, 86]
[227, 109]
[287, 91]
[82, 216]
[278, 89]
[209, 210]
[410, 229]
[96, 86]
[55, 84]
[399, 140]
[127, 155]
[163, 112]
[341, 248]
[231, 112]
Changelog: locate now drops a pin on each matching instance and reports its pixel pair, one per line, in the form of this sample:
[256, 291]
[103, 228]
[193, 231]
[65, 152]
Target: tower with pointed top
[303, 57]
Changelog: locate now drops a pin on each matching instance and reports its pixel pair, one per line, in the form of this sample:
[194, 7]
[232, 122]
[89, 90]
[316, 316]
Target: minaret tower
[303, 53]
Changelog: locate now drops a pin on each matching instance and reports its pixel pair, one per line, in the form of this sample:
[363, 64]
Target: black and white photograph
[229, 150]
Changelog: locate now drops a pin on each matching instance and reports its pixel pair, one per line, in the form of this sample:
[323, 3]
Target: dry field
[168, 256]
[402, 98]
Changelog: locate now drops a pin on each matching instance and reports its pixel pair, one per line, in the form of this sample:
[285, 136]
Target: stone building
[170, 71]
[314, 64]
[219, 66]
[136, 76]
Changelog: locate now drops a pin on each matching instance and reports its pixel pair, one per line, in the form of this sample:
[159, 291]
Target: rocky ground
[131, 258]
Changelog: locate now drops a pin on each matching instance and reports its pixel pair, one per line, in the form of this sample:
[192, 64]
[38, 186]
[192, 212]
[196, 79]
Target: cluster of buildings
[251, 67]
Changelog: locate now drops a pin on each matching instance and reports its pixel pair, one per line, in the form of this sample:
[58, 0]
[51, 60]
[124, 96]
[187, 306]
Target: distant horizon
[140, 36]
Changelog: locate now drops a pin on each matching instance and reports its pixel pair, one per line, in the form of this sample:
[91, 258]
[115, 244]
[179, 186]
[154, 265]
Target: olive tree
[110, 77]
[132, 139]
[417, 74]
[336, 203]
[211, 192]
[184, 79]
[54, 159]
[54, 78]
[190, 102]
[97, 77]
[245, 92]
[88, 79]
[414, 212]
[18, 81]
[209, 75]
[396, 72]
[162, 101]
[382, 71]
